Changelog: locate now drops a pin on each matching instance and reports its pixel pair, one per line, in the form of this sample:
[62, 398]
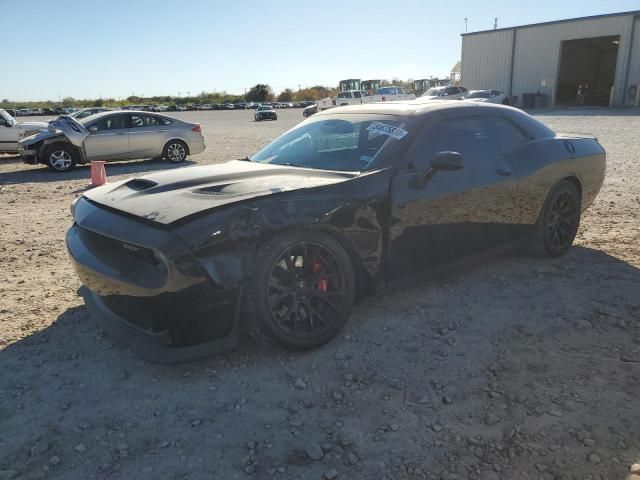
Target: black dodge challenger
[350, 200]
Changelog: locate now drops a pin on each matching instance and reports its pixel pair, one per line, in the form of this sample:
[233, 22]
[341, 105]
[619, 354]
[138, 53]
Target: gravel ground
[506, 368]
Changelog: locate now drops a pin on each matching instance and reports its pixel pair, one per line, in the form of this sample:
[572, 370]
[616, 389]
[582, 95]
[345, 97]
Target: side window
[342, 95]
[356, 94]
[140, 121]
[453, 90]
[114, 122]
[509, 136]
[472, 137]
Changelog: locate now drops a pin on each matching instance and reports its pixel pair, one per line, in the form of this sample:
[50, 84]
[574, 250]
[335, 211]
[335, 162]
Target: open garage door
[587, 71]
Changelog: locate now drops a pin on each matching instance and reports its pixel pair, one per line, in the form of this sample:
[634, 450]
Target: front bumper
[142, 284]
[154, 347]
[29, 155]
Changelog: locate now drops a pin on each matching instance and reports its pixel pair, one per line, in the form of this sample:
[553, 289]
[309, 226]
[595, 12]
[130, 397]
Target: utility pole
[466, 25]
[179, 94]
[188, 94]
[495, 23]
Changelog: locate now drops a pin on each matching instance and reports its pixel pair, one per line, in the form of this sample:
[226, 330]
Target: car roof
[418, 106]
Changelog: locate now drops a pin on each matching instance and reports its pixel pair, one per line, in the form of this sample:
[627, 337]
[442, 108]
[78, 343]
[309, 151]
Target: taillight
[197, 128]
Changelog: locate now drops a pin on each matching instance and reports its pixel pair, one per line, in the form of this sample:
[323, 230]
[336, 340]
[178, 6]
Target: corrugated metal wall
[486, 57]
[486, 60]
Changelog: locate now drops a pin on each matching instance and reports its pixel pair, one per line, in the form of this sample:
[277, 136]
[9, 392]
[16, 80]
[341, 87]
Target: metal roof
[553, 22]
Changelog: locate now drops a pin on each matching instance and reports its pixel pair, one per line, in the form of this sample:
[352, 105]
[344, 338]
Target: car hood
[71, 128]
[166, 197]
[33, 125]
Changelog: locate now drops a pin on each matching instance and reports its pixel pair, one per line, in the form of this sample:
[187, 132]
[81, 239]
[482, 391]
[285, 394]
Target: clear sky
[115, 48]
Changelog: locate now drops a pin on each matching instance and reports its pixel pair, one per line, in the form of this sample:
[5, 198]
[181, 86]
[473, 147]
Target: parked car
[11, 112]
[488, 96]
[265, 112]
[12, 131]
[391, 94]
[347, 202]
[444, 93]
[115, 135]
[87, 112]
[310, 110]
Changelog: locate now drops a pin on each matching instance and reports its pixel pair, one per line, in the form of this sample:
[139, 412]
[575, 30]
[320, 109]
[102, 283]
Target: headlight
[72, 207]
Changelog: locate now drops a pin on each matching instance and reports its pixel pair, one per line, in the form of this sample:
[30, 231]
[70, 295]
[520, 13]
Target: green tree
[259, 93]
[286, 95]
[68, 102]
[98, 103]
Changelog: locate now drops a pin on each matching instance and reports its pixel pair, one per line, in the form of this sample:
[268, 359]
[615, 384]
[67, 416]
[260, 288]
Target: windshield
[433, 92]
[4, 114]
[346, 143]
[480, 94]
[265, 108]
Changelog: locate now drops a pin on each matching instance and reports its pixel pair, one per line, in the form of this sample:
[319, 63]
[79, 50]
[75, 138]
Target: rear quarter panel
[541, 164]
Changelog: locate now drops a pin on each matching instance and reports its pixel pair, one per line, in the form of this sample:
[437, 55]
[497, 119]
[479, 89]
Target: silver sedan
[114, 135]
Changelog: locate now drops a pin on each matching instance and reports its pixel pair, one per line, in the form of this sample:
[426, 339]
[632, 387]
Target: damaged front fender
[355, 212]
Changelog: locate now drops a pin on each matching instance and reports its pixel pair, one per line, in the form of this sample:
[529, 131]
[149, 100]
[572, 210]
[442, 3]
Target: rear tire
[175, 151]
[558, 221]
[60, 157]
[302, 290]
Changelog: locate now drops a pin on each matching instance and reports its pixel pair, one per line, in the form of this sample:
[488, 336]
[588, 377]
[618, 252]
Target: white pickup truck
[357, 97]
[11, 132]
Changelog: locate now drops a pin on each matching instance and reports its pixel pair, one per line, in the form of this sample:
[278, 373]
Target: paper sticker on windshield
[389, 130]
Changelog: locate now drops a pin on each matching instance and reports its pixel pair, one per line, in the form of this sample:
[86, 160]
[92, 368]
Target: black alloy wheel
[563, 222]
[559, 221]
[304, 290]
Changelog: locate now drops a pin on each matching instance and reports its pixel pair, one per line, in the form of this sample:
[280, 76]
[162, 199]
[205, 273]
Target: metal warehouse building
[581, 61]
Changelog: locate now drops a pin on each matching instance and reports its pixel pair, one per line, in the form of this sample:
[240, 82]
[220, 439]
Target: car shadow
[9, 159]
[40, 173]
[427, 353]
[580, 260]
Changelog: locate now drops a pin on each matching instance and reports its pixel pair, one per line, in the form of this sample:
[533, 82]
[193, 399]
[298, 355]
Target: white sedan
[487, 96]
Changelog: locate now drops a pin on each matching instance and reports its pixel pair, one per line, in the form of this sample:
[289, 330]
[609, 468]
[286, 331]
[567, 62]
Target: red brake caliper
[323, 283]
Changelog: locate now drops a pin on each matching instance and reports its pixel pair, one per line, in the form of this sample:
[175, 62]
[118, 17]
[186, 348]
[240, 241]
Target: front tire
[175, 151]
[558, 222]
[302, 290]
[60, 157]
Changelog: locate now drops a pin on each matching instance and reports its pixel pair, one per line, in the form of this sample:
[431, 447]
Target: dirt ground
[507, 368]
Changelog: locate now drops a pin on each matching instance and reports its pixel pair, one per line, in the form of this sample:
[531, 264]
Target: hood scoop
[139, 184]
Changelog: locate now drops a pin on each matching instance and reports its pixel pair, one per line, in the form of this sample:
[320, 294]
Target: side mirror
[93, 129]
[447, 161]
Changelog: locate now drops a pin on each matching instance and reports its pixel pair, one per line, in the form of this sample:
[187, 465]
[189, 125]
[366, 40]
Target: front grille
[130, 249]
